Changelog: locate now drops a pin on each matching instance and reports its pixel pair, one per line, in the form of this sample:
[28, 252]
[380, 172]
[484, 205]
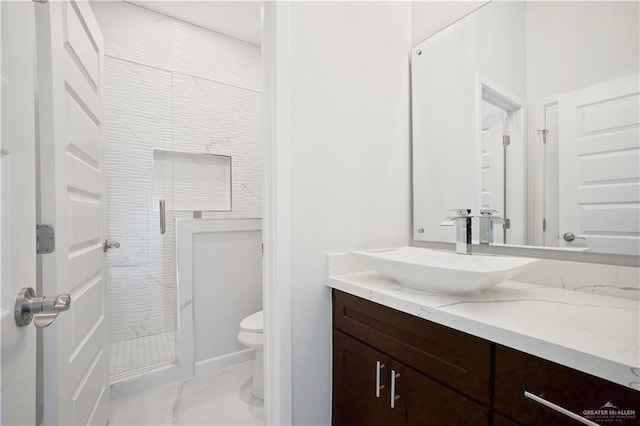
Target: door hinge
[506, 140]
[45, 238]
[506, 224]
[544, 225]
[544, 133]
[262, 249]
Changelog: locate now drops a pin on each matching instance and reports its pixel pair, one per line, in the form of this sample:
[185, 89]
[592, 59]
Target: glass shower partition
[149, 188]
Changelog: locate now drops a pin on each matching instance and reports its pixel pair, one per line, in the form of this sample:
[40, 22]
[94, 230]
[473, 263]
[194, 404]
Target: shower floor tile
[129, 357]
[219, 398]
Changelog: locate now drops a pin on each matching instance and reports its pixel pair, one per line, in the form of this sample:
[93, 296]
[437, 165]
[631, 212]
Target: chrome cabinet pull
[559, 409]
[379, 366]
[45, 309]
[163, 218]
[394, 397]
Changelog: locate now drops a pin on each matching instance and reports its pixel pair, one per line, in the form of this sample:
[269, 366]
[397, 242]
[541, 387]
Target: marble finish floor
[219, 398]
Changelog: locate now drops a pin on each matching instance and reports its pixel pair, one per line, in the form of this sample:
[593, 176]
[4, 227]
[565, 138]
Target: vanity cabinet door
[421, 401]
[539, 392]
[449, 356]
[500, 420]
[360, 383]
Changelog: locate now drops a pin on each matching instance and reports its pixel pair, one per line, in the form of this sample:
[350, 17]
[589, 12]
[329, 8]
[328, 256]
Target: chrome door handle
[163, 217]
[45, 309]
[559, 409]
[379, 366]
[568, 236]
[394, 397]
[110, 244]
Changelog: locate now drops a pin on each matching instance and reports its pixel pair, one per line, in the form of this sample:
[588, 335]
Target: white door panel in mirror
[542, 58]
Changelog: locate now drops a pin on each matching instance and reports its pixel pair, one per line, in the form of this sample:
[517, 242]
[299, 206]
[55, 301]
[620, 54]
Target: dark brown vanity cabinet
[372, 389]
[422, 401]
[394, 368]
[362, 384]
[535, 391]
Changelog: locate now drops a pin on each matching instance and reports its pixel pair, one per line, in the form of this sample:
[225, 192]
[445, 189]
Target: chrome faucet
[462, 221]
[487, 220]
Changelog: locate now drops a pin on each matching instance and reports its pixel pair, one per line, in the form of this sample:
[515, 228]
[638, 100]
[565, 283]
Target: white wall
[429, 17]
[172, 86]
[227, 287]
[569, 33]
[348, 74]
[571, 45]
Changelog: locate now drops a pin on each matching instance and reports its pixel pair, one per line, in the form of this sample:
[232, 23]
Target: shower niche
[192, 182]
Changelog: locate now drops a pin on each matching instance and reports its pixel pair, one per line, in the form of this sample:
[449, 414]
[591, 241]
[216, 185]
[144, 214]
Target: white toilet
[251, 335]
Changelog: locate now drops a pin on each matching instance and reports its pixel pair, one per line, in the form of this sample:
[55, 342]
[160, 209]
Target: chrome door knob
[568, 236]
[45, 309]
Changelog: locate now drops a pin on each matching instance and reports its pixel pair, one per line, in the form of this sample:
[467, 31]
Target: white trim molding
[277, 213]
[185, 230]
[516, 167]
[223, 361]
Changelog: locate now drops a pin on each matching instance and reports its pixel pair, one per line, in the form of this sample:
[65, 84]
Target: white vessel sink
[442, 272]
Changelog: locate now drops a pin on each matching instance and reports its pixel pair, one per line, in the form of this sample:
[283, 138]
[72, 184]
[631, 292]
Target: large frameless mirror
[531, 110]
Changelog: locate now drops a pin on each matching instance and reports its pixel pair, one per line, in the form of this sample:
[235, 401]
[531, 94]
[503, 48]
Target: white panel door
[493, 195]
[70, 84]
[551, 163]
[599, 166]
[17, 208]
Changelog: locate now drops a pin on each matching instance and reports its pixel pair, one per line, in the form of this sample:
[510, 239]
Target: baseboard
[218, 363]
[149, 380]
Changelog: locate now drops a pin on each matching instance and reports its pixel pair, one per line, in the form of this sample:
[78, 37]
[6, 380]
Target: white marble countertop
[596, 334]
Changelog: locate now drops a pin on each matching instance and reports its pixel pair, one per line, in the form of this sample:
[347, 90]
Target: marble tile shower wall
[169, 86]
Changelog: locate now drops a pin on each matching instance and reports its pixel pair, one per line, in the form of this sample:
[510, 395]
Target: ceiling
[239, 19]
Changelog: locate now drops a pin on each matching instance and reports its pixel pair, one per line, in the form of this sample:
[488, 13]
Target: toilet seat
[251, 330]
[253, 323]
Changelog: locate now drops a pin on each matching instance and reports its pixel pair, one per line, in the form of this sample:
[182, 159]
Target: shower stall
[144, 205]
[182, 137]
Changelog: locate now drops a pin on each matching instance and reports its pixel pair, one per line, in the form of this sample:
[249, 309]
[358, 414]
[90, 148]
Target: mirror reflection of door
[493, 158]
[589, 162]
[599, 166]
[545, 148]
[501, 162]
